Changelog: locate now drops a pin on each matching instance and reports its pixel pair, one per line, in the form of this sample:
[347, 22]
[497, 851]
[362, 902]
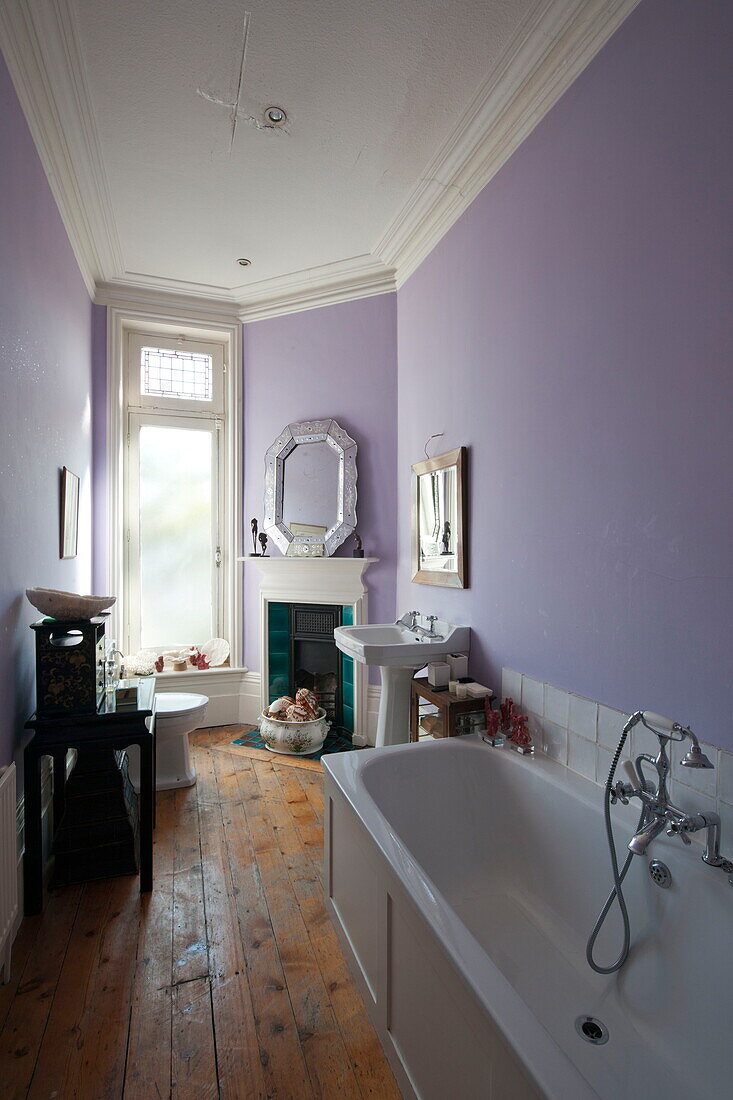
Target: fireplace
[302, 653]
[336, 584]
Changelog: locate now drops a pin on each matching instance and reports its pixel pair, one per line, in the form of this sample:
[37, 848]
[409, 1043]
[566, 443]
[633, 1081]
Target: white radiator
[8, 867]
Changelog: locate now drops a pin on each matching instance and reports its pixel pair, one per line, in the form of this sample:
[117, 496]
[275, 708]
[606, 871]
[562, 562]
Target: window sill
[201, 673]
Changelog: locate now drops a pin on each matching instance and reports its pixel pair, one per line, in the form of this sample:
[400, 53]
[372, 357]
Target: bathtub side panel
[437, 1037]
[354, 888]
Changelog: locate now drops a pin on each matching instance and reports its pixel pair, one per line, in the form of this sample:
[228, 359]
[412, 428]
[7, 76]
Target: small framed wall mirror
[69, 527]
[439, 520]
[310, 488]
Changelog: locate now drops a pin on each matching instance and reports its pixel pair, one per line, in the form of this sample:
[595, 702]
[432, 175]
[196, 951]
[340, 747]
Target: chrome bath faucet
[660, 812]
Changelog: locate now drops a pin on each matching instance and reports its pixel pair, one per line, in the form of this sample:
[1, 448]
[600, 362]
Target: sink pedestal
[393, 719]
[398, 651]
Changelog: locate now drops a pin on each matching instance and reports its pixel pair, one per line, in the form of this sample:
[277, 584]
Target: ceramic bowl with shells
[67, 606]
[293, 737]
[303, 708]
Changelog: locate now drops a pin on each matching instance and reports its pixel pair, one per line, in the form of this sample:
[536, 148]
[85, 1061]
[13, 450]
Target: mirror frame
[304, 432]
[455, 578]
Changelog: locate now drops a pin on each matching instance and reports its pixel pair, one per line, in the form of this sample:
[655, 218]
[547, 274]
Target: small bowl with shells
[294, 727]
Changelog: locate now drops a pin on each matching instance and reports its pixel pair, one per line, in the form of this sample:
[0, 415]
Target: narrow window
[173, 492]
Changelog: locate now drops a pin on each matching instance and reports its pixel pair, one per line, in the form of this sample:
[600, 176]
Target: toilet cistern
[399, 650]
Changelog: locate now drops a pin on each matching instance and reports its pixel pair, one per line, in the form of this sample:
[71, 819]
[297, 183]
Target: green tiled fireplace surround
[347, 674]
[278, 656]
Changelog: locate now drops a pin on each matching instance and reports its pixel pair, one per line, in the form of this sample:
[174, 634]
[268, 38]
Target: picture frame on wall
[69, 533]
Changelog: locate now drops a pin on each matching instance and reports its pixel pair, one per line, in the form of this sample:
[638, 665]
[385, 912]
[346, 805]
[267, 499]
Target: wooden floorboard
[227, 981]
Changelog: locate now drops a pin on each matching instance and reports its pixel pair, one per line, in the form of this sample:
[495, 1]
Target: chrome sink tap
[660, 813]
[430, 632]
[409, 620]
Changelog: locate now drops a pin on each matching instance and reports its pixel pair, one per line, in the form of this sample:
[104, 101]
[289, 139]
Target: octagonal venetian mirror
[310, 488]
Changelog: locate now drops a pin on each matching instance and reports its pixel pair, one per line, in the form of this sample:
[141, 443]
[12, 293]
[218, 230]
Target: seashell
[307, 700]
[216, 651]
[296, 713]
[279, 705]
[67, 606]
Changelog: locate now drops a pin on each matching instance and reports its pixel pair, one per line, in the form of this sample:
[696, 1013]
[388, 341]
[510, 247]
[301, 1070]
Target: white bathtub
[464, 881]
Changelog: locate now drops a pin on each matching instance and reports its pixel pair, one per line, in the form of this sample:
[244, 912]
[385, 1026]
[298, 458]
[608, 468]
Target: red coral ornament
[493, 723]
[507, 712]
[520, 734]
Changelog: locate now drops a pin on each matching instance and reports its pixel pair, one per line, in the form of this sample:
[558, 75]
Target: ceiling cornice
[40, 44]
[359, 277]
[551, 48]
[193, 307]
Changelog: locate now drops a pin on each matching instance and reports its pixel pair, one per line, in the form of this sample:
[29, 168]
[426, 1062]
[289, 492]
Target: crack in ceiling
[242, 114]
[240, 77]
[237, 113]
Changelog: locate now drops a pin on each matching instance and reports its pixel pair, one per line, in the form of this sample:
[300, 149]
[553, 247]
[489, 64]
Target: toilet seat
[178, 702]
[176, 715]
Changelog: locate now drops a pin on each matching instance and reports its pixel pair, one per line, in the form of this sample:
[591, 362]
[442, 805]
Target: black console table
[108, 730]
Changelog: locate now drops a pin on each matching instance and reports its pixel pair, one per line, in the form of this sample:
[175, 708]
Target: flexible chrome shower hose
[618, 877]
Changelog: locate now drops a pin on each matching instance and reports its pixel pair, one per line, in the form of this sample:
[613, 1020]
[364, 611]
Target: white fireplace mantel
[314, 580]
[303, 580]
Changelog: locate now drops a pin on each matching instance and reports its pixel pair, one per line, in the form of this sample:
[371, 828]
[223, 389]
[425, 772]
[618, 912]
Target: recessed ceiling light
[275, 116]
[243, 261]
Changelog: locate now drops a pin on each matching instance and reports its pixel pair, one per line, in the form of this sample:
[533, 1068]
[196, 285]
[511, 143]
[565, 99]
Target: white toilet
[176, 715]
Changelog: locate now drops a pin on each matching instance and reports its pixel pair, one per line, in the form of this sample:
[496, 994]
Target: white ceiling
[371, 90]
[388, 101]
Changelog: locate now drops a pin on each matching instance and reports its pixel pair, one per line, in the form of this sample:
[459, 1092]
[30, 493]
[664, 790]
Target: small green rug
[337, 740]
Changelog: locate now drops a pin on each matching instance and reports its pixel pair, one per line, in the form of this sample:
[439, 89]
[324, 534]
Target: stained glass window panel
[169, 372]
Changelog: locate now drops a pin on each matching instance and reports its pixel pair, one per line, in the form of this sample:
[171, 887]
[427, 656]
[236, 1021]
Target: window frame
[164, 327]
[136, 341]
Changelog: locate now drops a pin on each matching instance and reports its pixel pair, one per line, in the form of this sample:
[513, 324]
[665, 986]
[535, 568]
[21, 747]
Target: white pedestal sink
[398, 652]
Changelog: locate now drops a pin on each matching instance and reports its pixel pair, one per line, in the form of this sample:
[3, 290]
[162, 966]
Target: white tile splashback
[533, 695]
[583, 734]
[557, 706]
[583, 717]
[581, 755]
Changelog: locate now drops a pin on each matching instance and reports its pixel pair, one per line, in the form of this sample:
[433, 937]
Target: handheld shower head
[665, 727]
[695, 757]
[658, 723]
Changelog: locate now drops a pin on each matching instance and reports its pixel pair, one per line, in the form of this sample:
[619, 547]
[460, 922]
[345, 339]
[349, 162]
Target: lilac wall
[337, 361]
[99, 448]
[574, 329]
[45, 411]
